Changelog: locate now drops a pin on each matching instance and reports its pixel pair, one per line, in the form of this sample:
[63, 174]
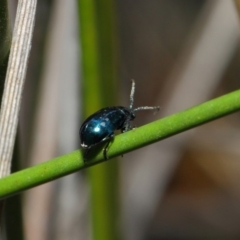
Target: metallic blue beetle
[100, 126]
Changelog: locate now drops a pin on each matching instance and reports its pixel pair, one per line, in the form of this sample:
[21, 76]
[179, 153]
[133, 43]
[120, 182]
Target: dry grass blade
[21, 45]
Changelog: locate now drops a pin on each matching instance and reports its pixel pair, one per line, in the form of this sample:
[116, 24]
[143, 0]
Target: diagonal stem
[123, 143]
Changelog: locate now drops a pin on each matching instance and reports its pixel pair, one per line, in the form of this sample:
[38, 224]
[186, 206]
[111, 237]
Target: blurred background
[180, 54]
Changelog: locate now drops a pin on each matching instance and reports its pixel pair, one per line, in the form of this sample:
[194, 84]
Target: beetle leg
[105, 149]
[85, 155]
[127, 127]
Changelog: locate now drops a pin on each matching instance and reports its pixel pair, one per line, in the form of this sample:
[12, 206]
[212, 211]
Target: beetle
[100, 126]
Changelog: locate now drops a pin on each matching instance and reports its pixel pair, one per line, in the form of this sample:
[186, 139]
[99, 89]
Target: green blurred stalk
[99, 78]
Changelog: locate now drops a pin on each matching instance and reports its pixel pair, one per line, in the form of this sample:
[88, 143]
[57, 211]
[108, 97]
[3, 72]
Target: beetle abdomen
[101, 125]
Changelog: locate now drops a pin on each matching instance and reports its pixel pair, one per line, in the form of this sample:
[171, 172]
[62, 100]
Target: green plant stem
[122, 144]
[99, 77]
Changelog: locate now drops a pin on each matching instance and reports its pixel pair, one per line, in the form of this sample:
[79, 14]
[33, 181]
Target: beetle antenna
[156, 109]
[132, 94]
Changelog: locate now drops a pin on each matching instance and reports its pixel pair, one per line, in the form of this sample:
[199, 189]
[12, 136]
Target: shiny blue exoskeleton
[100, 126]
